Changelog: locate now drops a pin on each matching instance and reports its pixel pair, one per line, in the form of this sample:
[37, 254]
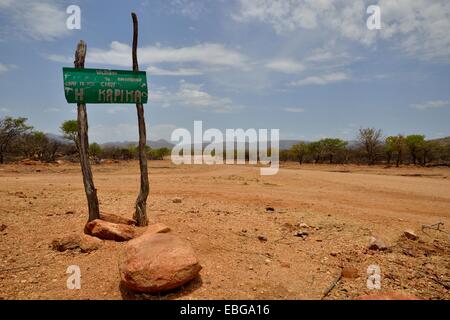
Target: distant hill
[445, 140]
[58, 138]
[161, 143]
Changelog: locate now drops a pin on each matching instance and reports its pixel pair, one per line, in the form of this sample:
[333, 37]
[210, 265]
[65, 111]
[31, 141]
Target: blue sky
[309, 68]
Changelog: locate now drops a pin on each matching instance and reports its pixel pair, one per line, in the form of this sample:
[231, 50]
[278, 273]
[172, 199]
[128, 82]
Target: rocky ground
[301, 234]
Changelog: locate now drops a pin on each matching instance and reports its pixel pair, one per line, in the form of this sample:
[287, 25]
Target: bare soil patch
[322, 219]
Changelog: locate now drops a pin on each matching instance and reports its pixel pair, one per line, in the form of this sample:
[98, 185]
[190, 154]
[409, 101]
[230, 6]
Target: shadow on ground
[168, 295]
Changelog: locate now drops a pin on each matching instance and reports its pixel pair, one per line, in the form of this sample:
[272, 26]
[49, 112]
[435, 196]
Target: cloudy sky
[308, 67]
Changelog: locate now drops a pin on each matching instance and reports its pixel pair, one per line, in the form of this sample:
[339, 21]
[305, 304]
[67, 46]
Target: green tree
[395, 145]
[69, 129]
[10, 130]
[332, 147]
[315, 149]
[370, 139]
[431, 150]
[95, 150]
[415, 143]
[299, 151]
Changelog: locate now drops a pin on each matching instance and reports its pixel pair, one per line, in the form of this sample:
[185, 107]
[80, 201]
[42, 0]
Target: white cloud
[285, 66]
[294, 110]
[192, 96]
[43, 20]
[418, 27]
[59, 58]
[6, 67]
[322, 79]
[206, 54]
[3, 68]
[183, 61]
[434, 104]
[183, 72]
[189, 8]
[160, 131]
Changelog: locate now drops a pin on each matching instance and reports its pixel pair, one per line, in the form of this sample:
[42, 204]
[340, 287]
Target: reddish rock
[74, 241]
[377, 243]
[110, 231]
[109, 217]
[177, 200]
[410, 235]
[157, 262]
[350, 273]
[389, 296]
[89, 244]
[68, 242]
[157, 228]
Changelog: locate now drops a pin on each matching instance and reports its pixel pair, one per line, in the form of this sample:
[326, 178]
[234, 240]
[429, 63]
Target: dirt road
[246, 250]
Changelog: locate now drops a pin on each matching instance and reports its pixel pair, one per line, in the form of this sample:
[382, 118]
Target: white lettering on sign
[117, 95]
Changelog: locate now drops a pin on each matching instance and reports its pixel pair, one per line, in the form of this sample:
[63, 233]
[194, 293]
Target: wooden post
[140, 214]
[83, 141]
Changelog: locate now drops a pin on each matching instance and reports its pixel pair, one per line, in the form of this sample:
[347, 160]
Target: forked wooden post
[140, 214]
[83, 141]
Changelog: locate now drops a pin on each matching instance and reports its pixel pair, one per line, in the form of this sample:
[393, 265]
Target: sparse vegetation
[19, 141]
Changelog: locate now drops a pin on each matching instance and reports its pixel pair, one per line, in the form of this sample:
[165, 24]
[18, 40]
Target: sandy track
[222, 214]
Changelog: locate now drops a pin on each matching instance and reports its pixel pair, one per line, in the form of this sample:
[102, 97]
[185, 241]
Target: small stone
[377, 243]
[74, 241]
[301, 234]
[267, 261]
[250, 268]
[333, 253]
[262, 238]
[3, 227]
[68, 242]
[89, 244]
[157, 228]
[177, 200]
[270, 209]
[285, 264]
[350, 272]
[70, 212]
[410, 235]
[303, 225]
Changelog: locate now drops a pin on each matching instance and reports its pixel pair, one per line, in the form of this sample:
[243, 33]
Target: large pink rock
[157, 262]
[110, 231]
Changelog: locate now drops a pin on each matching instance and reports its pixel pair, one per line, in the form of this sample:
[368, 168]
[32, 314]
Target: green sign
[105, 86]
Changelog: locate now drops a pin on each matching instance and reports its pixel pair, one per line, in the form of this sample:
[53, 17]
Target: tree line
[371, 148]
[19, 140]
